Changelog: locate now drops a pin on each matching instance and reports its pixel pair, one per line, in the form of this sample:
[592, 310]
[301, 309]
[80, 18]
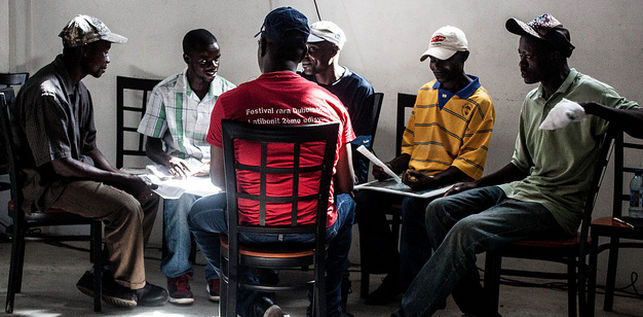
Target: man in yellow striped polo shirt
[445, 141]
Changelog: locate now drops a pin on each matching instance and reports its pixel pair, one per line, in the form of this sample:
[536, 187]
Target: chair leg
[96, 233]
[20, 261]
[571, 287]
[591, 284]
[611, 274]
[365, 275]
[493, 263]
[13, 287]
[319, 290]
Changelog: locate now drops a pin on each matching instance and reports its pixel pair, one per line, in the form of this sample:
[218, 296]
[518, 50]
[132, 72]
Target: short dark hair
[197, 40]
[292, 50]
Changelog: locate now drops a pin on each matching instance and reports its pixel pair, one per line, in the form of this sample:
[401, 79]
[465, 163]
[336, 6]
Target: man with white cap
[63, 168]
[540, 194]
[321, 65]
[445, 141]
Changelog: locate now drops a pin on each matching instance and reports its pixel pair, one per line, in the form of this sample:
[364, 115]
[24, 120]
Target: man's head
[544, 47]
[325, 41]
[87, 41]
[202, 54]
[282, 42]
[448, 50]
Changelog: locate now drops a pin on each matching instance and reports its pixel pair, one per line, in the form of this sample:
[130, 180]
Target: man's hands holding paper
[182, 168]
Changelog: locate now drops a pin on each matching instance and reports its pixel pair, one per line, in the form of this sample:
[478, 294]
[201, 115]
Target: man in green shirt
[540, 193]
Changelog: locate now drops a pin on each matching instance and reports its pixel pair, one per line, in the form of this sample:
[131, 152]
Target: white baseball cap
[327, 31]
[445, 42]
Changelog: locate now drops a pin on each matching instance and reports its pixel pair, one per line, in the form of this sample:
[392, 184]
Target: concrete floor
[51, 272]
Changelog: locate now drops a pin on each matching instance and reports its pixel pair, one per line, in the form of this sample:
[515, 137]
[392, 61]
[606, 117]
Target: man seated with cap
[540, 194]
[63, 169]
[445, 141]
[321, 65]
[282, 46]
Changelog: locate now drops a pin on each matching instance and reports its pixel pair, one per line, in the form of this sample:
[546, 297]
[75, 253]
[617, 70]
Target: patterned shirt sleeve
[154, 123]
[472, 156]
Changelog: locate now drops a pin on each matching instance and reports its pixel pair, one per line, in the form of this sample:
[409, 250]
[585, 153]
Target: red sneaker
[179, 289]
[214, 289]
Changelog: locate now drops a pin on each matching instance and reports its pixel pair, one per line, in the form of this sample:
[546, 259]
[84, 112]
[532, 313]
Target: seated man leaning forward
[177, 119]
[54, 119]
[321, 65]
[282, 46]
[540, 193]
[445, 141]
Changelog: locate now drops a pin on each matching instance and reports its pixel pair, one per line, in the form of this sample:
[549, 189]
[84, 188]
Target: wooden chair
[282, 255]
[571, 251]
[143, 87]
[608, 227]
[404, 102]
[52, 217]
[13, 79]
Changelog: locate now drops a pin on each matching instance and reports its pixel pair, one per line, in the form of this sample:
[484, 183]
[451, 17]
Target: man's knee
[127, 208]
[434, 211]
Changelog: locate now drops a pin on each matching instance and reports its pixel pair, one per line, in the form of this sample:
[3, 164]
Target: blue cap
[285, 24]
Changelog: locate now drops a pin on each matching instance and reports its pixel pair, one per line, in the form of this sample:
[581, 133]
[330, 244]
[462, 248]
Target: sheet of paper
[173, 188]
[389, 186]
[362, 149]
[163, 173]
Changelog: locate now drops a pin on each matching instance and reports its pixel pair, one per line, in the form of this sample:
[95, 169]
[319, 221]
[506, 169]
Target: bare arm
[630, 120]
[71, 168]
[344, 176]
[100, 161]
[507, 174]
[418, 181]
[154, 150]
[217, 173]
[397, 165]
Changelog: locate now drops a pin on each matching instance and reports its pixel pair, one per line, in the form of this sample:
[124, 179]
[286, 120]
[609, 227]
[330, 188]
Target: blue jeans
[461, 226]
[208, 218]
[177, 236]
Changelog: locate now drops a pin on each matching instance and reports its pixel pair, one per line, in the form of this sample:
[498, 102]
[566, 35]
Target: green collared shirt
[560, 163]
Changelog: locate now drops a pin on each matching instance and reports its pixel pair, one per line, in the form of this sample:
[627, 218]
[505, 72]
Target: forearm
[400, 163]
[507, 174]
[344, 176]
[100, 161]
[630, 120]
[451, 175]
[70, 168]
[154, 150]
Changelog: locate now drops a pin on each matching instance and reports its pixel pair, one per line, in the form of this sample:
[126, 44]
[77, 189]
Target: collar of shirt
[444, 95]
[564, 87]
[68, 86]
[183, 83]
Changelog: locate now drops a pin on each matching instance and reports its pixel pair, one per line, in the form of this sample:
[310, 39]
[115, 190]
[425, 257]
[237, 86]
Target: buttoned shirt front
[176, 114]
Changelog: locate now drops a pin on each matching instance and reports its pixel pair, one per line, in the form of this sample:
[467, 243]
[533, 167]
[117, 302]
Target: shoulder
[226, 84]
[358, 79]
[481, 97]
[169, 83]
[590, 83]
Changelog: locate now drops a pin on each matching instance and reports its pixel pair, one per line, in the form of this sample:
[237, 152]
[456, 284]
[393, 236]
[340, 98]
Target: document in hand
[393, 187]
[173, 188]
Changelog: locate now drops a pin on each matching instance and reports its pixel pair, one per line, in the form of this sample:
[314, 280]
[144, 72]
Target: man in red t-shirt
[280, 97]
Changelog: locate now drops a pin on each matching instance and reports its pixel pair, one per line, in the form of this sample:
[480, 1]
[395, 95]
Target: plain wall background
[385, 40]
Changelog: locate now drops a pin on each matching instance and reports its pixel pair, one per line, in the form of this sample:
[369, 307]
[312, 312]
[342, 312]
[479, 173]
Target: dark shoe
[179, 290]
[113, 293]
[386, 293]
[151, 295]
[214, 289]
[264, 307]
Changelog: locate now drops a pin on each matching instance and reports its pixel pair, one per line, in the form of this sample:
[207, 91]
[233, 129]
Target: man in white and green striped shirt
[176, 122]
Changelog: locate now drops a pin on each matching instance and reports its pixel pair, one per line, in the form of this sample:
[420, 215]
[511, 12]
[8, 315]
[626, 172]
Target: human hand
[204, 170]
[140, 189]
[460, 187]
[379, 173]
[177, 167]
[417, 180]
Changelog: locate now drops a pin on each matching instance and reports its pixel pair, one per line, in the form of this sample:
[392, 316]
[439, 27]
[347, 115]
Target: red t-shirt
[280, 98]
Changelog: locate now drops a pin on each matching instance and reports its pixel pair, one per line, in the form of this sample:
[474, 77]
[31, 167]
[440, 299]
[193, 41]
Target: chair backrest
[142, 88]
[404, 101]
[13, 79]
[266, 152]
[9, 150]
[8, 94]
[623, 167]
[604, 147]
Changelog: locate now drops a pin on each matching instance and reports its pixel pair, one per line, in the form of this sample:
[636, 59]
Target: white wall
[385, 39]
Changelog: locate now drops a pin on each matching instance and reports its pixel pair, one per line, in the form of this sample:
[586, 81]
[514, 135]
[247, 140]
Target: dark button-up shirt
[52, 119]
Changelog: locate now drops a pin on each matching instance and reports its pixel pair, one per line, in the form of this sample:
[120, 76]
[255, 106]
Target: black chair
[283, 255]
[8, 93]
[22, 222]
[404, 102]
[609, 227]
[572, 251]
[126, 123]
[13, 79]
